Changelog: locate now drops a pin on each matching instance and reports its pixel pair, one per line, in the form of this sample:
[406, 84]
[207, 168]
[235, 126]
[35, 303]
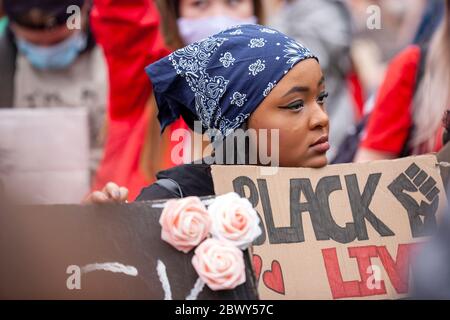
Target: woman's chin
[317, 162]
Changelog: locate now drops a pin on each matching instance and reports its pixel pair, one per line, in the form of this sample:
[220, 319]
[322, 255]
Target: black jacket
[193, 179]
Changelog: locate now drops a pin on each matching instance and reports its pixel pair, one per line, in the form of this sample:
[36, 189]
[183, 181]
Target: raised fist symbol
[422, 217]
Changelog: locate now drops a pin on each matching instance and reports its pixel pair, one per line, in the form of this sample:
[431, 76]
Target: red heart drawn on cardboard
[273, 279]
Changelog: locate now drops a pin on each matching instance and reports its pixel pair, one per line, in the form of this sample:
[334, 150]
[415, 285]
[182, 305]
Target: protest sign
[342, 231]
[98, 252]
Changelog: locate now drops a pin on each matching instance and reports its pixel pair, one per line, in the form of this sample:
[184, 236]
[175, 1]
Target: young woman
[247, 76]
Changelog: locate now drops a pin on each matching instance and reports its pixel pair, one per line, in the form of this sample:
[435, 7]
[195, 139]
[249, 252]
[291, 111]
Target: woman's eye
[199, 3]
[297, 105]
[234, 2]
[322, 97]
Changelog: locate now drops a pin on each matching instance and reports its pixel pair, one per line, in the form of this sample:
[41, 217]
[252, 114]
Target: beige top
[83, 84]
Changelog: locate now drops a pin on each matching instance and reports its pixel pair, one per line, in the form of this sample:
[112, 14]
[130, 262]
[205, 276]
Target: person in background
[3, 19]
[129, 34]
[188, 21]
[374, 45]
[45, 64]
[135, 151]
[3, 24]
[446, 125]
[309, 22]
[433, 14]
[409, 106]
[430, 272]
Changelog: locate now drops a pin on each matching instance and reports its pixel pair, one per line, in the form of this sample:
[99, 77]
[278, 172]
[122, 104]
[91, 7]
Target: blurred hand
[111, 193]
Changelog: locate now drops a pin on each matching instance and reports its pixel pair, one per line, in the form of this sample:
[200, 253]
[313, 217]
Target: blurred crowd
[386, 65]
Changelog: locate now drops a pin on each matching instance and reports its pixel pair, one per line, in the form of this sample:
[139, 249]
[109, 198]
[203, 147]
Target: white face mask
[193, 30]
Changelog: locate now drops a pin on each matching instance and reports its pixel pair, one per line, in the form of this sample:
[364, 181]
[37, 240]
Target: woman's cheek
[292, 152]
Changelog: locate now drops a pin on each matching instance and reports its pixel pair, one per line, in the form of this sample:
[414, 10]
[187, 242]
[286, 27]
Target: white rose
[234, 220]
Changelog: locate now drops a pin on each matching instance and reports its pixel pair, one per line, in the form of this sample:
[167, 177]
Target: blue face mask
[54, 57]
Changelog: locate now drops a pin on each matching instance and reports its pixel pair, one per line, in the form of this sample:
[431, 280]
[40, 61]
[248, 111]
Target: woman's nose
[319, 117]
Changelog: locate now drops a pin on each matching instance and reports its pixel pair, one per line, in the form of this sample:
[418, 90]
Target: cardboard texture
[340, 232]
[45, 249]
[44, 154]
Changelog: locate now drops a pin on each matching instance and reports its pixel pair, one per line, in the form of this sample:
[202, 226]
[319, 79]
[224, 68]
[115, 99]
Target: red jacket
[128, 32]
[392, 117]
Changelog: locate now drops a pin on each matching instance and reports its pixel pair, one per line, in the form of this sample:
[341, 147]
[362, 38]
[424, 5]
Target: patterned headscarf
[222, 79]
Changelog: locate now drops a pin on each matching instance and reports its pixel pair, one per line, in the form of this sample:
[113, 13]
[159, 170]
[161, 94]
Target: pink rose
[185, 223]
[219, 264]
[235, 220]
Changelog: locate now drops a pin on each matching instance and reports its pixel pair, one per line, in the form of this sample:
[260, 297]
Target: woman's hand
[111, 193]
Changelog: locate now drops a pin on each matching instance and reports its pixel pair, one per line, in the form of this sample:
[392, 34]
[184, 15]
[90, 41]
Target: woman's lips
[322, 145]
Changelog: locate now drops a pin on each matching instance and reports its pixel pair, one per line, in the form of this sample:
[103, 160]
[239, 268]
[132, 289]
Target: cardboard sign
[97, 252]
[339, 232]
[44, 154]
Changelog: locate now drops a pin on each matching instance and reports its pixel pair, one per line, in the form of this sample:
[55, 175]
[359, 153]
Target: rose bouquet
[220, 233]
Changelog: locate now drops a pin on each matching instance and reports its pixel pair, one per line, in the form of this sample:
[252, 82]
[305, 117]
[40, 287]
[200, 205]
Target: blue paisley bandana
[222, 79]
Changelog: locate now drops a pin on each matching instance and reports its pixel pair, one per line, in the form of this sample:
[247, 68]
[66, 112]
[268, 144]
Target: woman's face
[239, 9]
[296, 106]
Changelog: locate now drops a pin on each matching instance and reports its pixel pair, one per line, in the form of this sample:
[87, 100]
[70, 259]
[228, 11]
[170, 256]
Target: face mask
[58, 56]
[193, 30]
